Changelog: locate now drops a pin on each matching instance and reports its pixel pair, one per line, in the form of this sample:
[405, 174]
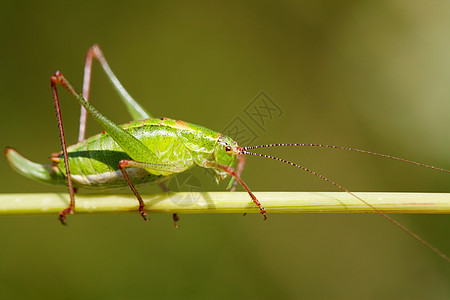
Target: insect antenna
[402, 227]
[351, 149]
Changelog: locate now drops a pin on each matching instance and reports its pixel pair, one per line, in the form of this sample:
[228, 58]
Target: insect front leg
[230, 171]
[240, 167]
[136, 111]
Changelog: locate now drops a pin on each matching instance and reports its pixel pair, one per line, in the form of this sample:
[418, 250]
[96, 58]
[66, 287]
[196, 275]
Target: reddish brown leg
[85, 94]
[122, 165]
[175, 217]
[231, 171]
[54, 80]
[175, 220]
[239, 169]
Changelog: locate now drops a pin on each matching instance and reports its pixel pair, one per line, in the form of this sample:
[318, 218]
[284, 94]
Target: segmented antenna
[351, 149]
[402, 227]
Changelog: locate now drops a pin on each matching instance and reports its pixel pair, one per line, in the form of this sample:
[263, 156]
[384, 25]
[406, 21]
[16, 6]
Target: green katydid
[149, 150]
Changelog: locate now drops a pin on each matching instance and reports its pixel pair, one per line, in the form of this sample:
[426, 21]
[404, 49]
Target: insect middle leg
[147, 166]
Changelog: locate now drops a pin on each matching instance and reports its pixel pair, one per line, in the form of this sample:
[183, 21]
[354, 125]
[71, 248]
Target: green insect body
[94, 162]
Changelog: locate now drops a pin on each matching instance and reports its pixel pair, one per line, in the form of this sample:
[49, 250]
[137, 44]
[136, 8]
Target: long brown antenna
[402, 227]
[351, 149]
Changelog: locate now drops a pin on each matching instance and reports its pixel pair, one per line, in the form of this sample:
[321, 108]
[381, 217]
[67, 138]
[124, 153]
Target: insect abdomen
[94, 163]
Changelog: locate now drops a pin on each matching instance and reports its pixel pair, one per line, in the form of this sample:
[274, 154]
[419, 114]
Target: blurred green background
[366, 74]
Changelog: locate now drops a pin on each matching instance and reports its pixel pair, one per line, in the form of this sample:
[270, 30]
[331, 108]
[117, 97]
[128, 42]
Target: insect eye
[228, 149]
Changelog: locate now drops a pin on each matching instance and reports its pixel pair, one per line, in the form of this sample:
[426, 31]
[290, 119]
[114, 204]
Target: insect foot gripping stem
[231, 172]
[63, 213]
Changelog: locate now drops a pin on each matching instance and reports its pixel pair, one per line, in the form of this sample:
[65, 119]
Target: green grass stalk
[226, 202]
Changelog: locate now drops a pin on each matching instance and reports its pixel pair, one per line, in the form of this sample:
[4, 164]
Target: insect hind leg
[54, 80]
[136, 111]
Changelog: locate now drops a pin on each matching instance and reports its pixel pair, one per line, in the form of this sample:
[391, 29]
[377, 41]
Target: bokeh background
[367, 74]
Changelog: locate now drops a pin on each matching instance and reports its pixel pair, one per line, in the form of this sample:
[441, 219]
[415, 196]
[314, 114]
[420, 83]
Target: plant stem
[226, 202]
